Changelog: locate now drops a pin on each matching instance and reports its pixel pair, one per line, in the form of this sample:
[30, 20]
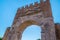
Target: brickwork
[57, 28]
[6, 34]
[37, 14]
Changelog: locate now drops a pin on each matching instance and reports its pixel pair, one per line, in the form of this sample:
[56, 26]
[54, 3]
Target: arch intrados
[25, 24]
[30, 26]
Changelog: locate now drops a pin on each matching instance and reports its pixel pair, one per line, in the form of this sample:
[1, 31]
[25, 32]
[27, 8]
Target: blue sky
[8, 10]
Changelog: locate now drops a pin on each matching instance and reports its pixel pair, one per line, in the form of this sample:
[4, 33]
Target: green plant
[0, 38]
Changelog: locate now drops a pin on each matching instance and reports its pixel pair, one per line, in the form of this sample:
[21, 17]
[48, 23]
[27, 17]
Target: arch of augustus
[37, 14]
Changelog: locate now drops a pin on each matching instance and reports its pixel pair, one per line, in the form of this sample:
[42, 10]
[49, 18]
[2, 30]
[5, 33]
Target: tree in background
[0, 38]
[38, 39]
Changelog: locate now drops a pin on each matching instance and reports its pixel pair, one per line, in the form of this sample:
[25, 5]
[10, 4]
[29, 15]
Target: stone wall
[5, 37]
[43, 6]
[57, 28]
[37, 14]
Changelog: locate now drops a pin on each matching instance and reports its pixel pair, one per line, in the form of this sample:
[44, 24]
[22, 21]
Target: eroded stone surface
[37, 14]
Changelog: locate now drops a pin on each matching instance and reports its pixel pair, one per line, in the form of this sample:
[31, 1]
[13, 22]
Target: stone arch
[32, 33]
[24, 25]
[43, 17]
[47, 26]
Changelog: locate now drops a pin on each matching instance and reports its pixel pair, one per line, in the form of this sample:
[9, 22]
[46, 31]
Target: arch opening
[32, 32]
